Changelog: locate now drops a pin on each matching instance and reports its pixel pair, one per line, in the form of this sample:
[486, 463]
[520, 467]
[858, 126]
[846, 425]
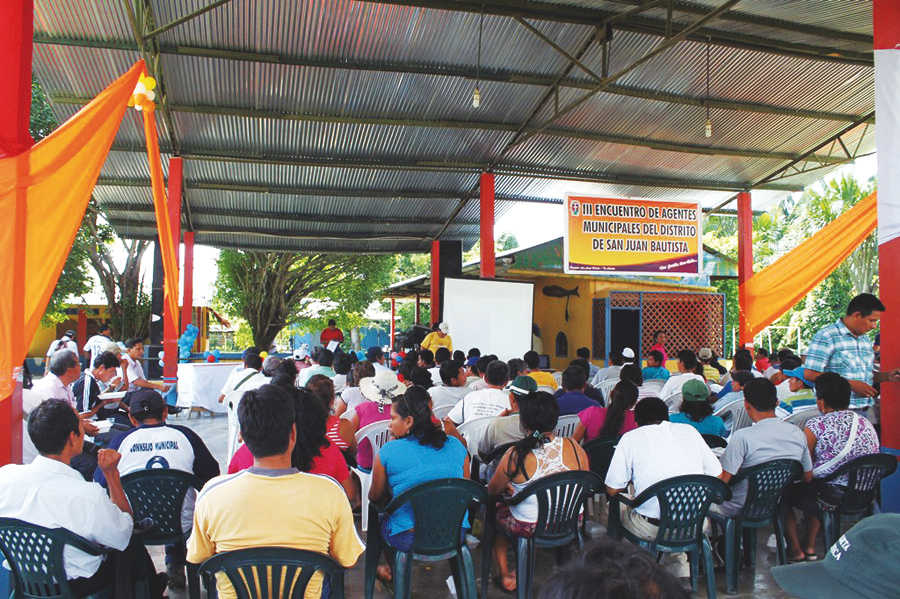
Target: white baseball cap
[628, 353]
[444, 327]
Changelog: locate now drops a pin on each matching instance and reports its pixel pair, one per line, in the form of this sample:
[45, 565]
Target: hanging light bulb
[476, 95]
[708, 129]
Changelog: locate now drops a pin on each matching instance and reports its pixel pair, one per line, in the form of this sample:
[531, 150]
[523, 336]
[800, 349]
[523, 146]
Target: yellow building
[606, 313]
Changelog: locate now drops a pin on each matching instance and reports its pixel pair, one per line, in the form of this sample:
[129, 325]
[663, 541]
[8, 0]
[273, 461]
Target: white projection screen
[494, 316]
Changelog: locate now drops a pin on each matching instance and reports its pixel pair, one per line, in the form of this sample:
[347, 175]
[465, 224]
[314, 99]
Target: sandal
[793, 559]
[812, 557]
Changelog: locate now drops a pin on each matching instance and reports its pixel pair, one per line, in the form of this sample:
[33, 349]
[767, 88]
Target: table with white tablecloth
[200, 384]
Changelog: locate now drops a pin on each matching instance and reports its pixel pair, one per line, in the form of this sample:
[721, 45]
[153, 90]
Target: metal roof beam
[185, 18]
[403, 194]
[595, 18]
[301, 235]
[751, 19]
[656, 144]
[422, 246]
[462, 71]
[445, 166]
[143, 212]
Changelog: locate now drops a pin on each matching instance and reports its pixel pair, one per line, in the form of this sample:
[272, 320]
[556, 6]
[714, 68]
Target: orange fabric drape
[161, 209]
[771, 292]
[55, 178]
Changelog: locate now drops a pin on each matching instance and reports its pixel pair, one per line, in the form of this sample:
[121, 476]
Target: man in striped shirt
[844, 348]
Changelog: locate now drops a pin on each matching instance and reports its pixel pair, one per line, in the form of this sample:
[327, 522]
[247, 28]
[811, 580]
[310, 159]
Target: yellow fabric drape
[161, 209]
[771, 292]
[53, 181]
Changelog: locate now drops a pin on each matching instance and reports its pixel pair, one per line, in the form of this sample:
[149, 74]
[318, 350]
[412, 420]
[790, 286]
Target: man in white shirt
[611, 371]
[486, 402]
[64, 370]
[134, 351]
[156, 444]
[64, 342]
[453, 377]
[655, 451]
[243, 378]
[49, 493]
[442, 355]
[96, 345]
[687, 362]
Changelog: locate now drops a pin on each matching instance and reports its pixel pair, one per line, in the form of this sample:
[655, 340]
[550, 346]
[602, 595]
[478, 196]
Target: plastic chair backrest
[378, 433]
[673, 402]
[765, 484]
[473, 431]
[606, 386]
[863, 475]
[546, 389]
[557, 376]
[714, 441]
[441, 412]
[683, 505]
[801, 415]
[565, 426]
[559, 497]
[158, 494]
[735, 413]
[35, 557]
[600, 453]
[654, 383]
[272, 572]
[438, 509]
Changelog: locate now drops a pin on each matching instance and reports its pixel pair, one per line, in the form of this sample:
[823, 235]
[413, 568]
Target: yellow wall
[549, 312]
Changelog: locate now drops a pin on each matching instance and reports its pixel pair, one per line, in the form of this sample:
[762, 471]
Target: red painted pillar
[745, 257]
[487, 226]
[170, 321]
[418, 309]
[187, 299]
[887, 137]
[17, 17]
[81, 333]
[435, 281]
[393, 322]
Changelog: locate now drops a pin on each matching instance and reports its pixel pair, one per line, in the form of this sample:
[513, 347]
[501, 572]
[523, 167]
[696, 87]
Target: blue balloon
[216, 353]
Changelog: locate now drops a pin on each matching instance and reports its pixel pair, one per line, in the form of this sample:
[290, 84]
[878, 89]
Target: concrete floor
[429, 580]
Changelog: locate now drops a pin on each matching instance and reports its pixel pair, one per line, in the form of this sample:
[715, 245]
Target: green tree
[74, 280]
[272, 289]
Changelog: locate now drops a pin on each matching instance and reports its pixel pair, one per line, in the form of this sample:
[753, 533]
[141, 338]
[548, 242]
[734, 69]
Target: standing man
[64, 342]
[331, 333]
[97, 343]
[844, 348]
[439, 337]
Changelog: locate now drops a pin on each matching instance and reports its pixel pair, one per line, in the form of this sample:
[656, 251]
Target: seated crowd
[296, 441]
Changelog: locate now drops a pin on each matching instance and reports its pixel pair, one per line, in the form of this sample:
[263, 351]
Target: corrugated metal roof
[329, 112]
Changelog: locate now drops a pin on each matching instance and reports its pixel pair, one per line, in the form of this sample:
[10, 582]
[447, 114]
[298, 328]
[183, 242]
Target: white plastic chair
[557, 376]
[378, 433]
[473, 432]
[565, 426]
[658, 383]
[734, 415]
[673, 402]
[800, 415]
[606, 387]
[441, 412]
[546, 389]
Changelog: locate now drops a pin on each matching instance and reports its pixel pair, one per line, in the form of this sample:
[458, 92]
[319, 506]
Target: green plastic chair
[600, 453]
[438, 509]
[269, 573]
[863, 477]
[35, 556]
[158, 494]
[766, 484]
[560, 498]
[683, 506]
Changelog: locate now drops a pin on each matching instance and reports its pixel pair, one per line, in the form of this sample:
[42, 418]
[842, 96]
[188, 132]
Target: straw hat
[382, 387]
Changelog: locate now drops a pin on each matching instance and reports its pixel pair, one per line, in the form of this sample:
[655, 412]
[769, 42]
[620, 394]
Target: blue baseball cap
[798, 373]
[472, 361]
